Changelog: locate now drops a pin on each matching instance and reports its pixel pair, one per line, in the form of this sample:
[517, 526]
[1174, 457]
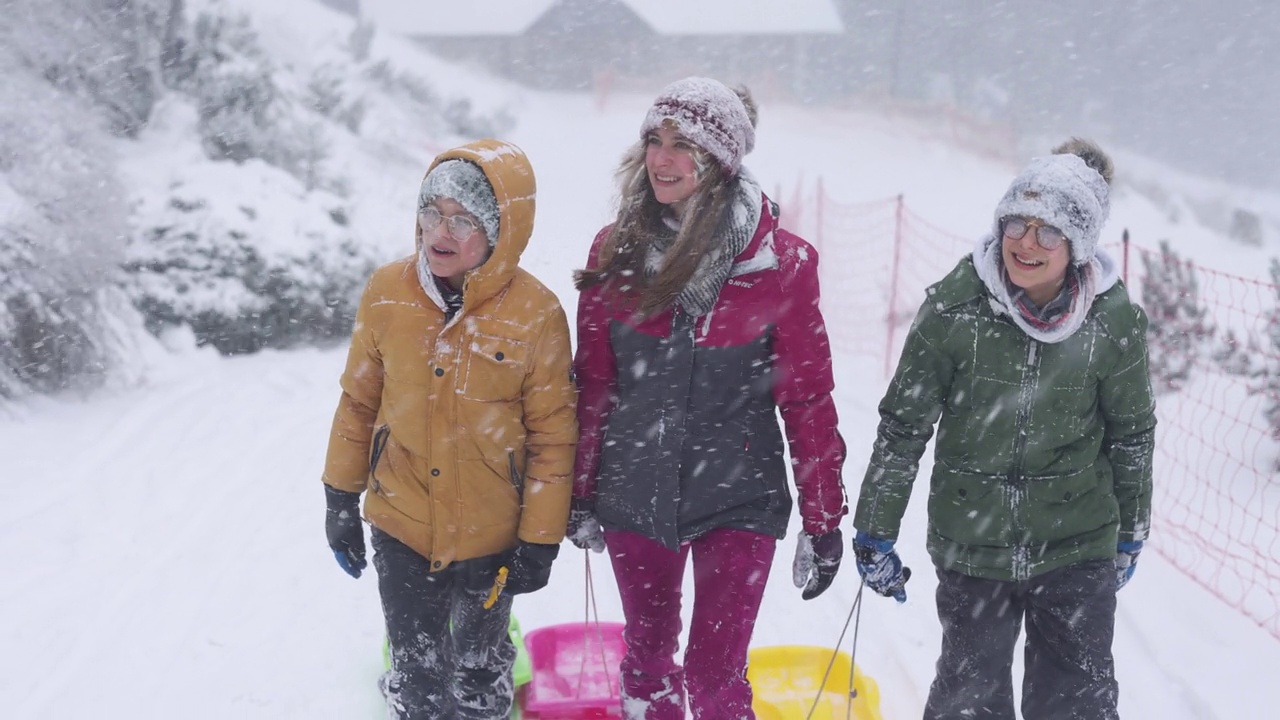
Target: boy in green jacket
[1032, 361]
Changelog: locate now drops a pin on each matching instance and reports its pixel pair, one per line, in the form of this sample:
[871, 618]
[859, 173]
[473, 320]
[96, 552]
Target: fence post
[1124, 267]
[893, 286]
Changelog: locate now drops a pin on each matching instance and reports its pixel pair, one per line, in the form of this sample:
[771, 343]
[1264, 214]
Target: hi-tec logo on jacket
[742, 283]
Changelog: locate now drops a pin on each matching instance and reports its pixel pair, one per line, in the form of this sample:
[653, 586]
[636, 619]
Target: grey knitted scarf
[700, 294]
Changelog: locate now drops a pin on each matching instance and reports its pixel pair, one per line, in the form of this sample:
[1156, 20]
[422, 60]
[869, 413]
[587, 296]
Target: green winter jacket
[1043, 455]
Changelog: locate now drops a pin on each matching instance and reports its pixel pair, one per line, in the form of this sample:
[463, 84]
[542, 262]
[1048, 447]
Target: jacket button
[1066, 495]
[964, 493]
[435, 471]
[439, 372]
[436, 564]
[499, 356]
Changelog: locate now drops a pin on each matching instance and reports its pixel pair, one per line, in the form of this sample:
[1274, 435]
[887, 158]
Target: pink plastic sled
[575, 671]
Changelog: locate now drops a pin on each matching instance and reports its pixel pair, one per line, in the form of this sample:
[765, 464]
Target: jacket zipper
[691, 327]
[1017, 481]
[379, 444]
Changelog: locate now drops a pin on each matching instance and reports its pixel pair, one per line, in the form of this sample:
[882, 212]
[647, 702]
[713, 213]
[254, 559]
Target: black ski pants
[450, 658]
[1070, 675]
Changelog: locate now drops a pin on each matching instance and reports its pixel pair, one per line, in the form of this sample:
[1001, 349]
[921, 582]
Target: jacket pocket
[513, 472]
[971, 510]
[495, 368]
[379, 444]
[1068, 506]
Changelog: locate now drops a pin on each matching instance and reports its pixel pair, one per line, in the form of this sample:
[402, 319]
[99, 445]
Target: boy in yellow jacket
[458, 422]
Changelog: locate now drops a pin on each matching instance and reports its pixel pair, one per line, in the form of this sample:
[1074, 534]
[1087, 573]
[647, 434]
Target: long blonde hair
[621, 263]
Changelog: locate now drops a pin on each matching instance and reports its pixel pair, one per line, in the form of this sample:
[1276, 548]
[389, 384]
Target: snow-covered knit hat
[708, 112]
[464, 182]
[1069, 190]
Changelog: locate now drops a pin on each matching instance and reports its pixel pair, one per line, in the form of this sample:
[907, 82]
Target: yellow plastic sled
[785, 680]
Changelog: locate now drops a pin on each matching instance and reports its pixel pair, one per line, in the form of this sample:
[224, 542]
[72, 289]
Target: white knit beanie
[710, 114]
[464, 182]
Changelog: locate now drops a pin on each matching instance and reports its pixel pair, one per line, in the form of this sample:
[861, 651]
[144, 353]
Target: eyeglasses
[459, 226]
[1049, 237]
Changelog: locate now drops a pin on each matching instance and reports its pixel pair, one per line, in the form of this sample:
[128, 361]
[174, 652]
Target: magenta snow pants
[730, 568]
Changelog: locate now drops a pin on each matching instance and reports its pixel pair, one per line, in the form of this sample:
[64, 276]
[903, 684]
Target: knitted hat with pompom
[1070, 190]
[719, 119]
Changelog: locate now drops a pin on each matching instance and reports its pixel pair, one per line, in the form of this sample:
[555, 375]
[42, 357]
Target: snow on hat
[710, 114]
[1069, 190]
[464, 182]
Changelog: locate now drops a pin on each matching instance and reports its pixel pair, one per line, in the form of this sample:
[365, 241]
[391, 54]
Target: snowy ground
[167, 556]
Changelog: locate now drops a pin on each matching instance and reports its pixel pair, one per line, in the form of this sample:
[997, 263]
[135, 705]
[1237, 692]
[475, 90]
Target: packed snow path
[168, 560]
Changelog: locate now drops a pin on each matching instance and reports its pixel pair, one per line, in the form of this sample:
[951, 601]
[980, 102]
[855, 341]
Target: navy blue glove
[817, 562]
[344, 530]
[529, 567]
[880, 566]
[1126, 561]
[584, 529]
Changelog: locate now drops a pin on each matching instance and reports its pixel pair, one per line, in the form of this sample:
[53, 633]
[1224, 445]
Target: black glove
[343, 528]
[817, 562]
[584, 529]
[529, 567]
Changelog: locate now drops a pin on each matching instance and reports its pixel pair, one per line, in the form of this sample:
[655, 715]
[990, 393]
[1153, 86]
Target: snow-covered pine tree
[1179, 328]
[1269, 377]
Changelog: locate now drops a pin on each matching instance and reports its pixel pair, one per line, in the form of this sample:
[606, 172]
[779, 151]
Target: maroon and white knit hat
[708, 113]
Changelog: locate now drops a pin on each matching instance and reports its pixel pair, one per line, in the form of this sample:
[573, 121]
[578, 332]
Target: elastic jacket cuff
[340, 499]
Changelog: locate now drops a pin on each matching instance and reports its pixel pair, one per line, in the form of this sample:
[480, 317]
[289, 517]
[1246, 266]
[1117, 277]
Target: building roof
[469, 18]
[473, 18]
[738, 17]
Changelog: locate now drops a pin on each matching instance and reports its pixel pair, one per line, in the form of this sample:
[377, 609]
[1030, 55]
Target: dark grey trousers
[1070, 675]
[450, 658]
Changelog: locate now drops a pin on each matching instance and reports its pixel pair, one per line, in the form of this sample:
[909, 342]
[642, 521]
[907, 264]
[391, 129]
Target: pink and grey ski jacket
[678, 414]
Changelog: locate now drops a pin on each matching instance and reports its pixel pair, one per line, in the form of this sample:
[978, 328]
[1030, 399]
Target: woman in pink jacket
[698, 320]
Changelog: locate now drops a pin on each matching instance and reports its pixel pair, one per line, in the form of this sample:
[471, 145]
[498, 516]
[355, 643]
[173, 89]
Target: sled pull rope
[499, 584]
[592, 610]
[855, 616]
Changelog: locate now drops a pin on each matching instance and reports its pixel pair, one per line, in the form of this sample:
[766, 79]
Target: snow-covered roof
[469, 18]
[666, 17]
[738, 17]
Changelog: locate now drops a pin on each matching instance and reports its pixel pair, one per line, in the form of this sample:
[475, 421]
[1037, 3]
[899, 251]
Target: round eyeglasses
[1049, 237]
[459, 226]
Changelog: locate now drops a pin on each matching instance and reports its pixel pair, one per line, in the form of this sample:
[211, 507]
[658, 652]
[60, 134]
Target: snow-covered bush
[112, 52]
[455, 116]
[1246, 227]
[245, 112]
[328, 93]
[1179, 329]
[246, 258]
[62, 224]
[234, 90]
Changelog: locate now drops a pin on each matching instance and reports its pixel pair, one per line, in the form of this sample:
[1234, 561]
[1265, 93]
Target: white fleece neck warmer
[1096, 277]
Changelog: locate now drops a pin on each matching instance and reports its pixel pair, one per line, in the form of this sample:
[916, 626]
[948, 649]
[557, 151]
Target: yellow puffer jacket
[463, 433]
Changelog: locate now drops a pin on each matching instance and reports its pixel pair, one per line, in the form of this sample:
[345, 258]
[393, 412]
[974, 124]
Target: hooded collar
[511, 175]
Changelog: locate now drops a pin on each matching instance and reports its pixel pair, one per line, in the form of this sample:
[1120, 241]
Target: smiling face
[449, 257]
[1038, 271]
[671, 162]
